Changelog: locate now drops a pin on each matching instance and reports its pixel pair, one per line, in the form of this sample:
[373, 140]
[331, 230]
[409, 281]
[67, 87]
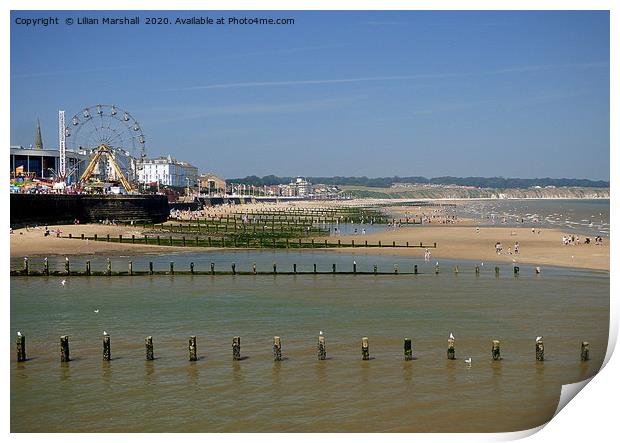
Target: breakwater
[41, 209]
[539, 349]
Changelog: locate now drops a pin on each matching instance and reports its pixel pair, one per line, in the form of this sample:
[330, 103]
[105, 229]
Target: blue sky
[513, 94]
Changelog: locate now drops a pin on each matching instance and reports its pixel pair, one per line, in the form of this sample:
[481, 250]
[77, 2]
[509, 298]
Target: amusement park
[101, 149]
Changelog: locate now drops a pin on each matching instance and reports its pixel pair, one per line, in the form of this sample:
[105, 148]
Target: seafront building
[211, 184]
[45, 163]
[167, 171]
[301, 187]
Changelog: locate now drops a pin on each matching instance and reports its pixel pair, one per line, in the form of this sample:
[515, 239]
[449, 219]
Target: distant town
[100, 168]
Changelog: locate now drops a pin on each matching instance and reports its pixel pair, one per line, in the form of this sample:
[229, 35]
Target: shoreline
[453, 242]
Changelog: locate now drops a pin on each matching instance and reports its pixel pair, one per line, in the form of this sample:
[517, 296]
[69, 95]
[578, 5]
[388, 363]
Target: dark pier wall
[31, 209]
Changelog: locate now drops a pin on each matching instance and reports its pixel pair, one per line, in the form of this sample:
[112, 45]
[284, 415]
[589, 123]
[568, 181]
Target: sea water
[300, 393]
[590, 217]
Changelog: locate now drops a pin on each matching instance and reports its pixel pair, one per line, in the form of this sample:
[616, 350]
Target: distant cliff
[437, 192]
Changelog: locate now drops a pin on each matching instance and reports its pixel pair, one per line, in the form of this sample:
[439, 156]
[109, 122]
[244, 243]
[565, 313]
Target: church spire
[38, 140]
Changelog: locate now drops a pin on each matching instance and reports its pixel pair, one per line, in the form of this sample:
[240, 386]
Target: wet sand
[454, 242]
[461, 242]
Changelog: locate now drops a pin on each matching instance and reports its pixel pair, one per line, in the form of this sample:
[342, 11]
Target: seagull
[468, 360]
[539, 338]
[63, 282]
[482, 264]
[105, 333]
[320, 332]
[451, 336]
[19, 334]
[96, 311]
[66, 258]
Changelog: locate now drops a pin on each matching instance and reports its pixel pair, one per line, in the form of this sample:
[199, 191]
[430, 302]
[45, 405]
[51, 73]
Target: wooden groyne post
[148, 344]
[107, 355]
[277, 349]
[171, 268]
[515, 270]
[408, 349]
[540, 350]
[451, 353]
[365, 349]
[108, 266]
[21, 347]
[64, 348]
[130, 268]
[193, 353]
[495, 351]
[87, 267]
[585, 351]
[497, 271]
[477, 271]
[26, 270]
[321, 348]
[46, 267]
[67, 266]
[236, 348]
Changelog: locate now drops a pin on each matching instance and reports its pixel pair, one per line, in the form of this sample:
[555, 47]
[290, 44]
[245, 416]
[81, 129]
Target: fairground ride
[114, 141]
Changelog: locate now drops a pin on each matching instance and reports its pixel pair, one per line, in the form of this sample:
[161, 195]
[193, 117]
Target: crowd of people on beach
[499, 249]
[573, 240]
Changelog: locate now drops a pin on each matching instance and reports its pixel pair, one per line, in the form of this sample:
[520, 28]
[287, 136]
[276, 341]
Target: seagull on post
[451, 336]
[19, 334]
[539, 338]
[105, 333]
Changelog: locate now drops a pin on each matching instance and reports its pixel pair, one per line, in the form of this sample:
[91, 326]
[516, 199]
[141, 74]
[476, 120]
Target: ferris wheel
[114, 141]
[106, 125]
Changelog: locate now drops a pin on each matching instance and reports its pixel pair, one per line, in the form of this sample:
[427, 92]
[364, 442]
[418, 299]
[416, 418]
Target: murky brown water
[300, 393]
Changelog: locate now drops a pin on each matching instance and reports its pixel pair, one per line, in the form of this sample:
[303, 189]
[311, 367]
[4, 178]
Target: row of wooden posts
[235, 243]
[192, 270]
[277, 348]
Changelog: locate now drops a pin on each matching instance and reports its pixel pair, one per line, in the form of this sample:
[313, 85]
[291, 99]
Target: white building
[302, 187]
[168, 171]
